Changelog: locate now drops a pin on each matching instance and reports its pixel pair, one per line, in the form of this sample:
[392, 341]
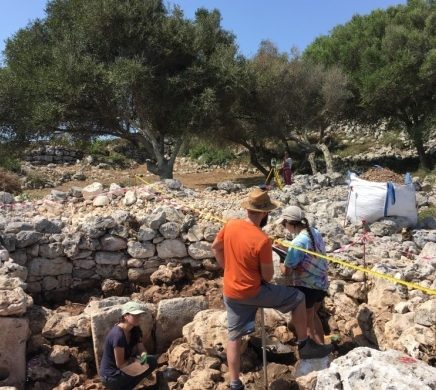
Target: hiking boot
[312, 350]
[239, 386]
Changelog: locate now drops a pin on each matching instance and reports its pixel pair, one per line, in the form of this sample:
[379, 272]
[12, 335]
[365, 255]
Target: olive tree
[129, 69]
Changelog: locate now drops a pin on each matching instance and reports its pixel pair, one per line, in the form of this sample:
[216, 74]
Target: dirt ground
[139, 175]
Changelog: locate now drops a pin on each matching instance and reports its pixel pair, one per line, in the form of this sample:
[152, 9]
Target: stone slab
[14, 333]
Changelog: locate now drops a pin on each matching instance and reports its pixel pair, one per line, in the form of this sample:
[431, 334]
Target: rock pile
[382, 175]
[158, 238]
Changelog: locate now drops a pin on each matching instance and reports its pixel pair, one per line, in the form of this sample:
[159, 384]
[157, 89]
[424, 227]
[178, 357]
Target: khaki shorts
[241, 314]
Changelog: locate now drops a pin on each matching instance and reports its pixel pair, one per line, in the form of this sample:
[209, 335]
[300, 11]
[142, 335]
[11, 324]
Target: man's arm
[266, 263]
[218, 251]
[267, 271]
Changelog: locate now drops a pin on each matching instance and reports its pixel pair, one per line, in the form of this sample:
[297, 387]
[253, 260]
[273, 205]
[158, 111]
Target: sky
[287, 23]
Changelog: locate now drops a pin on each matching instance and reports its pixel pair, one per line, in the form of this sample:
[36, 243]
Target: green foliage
[10, 163]
[392, 138]
[130, 69]
[97, 147]
[353, 149]
[390, 59]
[117, 159]
[36, 180]
[428, 212]
[210, 154]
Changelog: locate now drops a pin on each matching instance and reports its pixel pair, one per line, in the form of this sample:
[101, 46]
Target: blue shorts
[241, 314]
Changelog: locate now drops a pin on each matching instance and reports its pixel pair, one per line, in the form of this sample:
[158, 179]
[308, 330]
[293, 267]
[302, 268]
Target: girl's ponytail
[306, 225]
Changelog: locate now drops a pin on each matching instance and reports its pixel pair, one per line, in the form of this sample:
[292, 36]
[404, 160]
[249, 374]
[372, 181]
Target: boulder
[207, 333]
[40, 266]
[101, 201]
[140, 250]
[200, 250]
[168, 274]
[112, 243]
[173, 315]
[171, 248]
[130, 198]
[14, 334]
[365, 368]
[60, 354]
[170, 230]
[13, 300]
[426, 313]
[92, 190]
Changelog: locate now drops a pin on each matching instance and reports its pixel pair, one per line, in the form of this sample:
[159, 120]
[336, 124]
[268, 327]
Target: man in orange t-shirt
[244, 251]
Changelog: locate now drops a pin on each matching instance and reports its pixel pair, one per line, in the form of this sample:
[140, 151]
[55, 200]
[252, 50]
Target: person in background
[287, 169]
[244, 251]
[307, 273]
[123, 345]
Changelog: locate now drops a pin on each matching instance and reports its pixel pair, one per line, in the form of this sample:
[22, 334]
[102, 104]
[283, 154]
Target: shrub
[10, 164]
[9, 182]
[210, 154]
[98, 147]
[36, 180]
[392, 138]
[118, 159]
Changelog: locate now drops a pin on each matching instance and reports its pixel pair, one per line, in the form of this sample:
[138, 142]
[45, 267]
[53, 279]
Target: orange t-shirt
[245, 248]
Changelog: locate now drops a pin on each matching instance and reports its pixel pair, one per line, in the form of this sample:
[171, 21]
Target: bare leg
[319, 330]
[299, 319]
[234, 358]
[310, 323]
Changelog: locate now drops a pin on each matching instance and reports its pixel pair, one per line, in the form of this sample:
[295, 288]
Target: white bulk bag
[369, 201]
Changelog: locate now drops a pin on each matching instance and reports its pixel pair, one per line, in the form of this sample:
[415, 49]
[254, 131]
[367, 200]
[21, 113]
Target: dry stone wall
[48, 154]
[51, 256]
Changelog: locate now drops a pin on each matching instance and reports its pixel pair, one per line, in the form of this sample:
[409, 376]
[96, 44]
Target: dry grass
[9, 182]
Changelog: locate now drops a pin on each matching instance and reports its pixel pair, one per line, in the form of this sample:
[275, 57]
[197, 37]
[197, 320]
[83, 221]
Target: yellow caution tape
[346, 264]
[341, 262]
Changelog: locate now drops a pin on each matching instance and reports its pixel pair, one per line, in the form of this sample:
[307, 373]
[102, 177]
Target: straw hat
[259, 200]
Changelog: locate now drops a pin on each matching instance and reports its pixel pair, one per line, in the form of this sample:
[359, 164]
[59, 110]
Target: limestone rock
[101, 201]
[168, 274]
[112, 243]
[14, 334]
[207, 333]
[92, 190]
[27, 238]
[140, 250]
[365, 368]
[173, 315]
[40, 266]
[60, 354]
[171, 248]
[130, 198]
[426, 313]
[170, 230]
[111, 287]
[203, 379]
[13, 300]
[200, 250]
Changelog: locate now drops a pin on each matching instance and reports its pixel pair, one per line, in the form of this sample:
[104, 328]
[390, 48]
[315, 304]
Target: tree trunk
[311, 159]
[255, 162]
[415, 133]
[327, 157]
[163, 169]
[424, 159]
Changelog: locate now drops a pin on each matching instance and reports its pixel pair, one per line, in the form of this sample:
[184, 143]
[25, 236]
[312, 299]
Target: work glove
[143, 358]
